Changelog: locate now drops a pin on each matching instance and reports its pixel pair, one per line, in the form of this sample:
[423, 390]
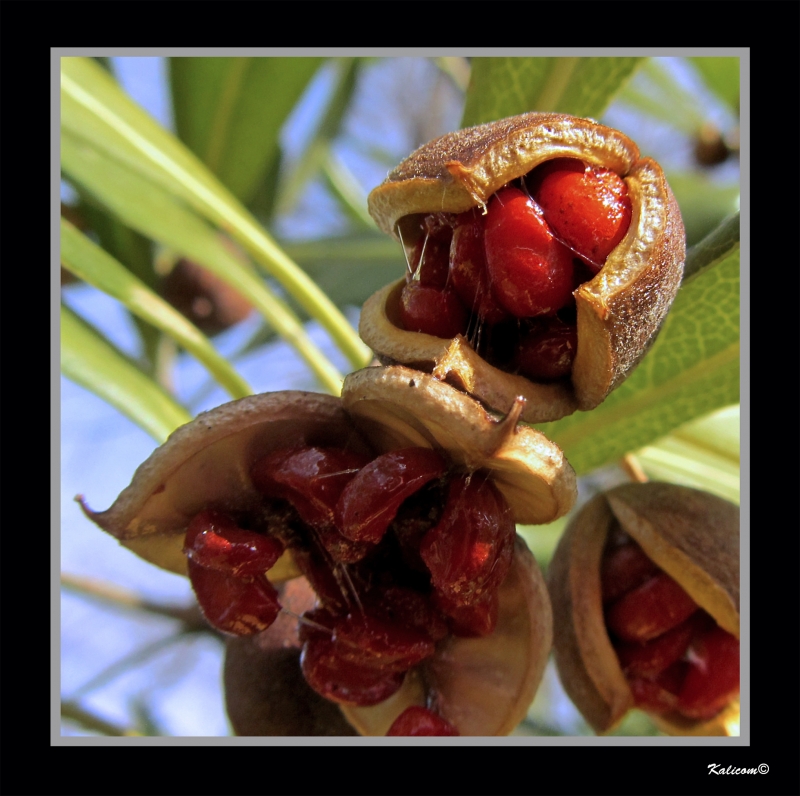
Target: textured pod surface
[206, 463]
[692, 536]
[619, 311]
[483, 686]
[397, 407]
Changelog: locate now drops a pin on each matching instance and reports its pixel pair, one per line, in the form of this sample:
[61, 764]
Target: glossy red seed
[421, 721]
[712, 679]
[213, 540]
[429, 262]
[587, 207]
[430, 310]
[471, 621]
[468, 273]
[343, 681]
[547, 351]
[326, 576]
[653, 657]
[241, 606]
[624, 568]
[649, 610]
[370, 501]
[530, 272]
[650, 696]
[367, 640]
[469, 551]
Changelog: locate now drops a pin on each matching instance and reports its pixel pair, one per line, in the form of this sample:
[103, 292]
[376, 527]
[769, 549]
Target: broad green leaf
[92, 264]
[350, 269]
[229, 111]
[501, 87]
[96, 110]
[91, 361]
[721, 75]
[157, 213]
[691, 370]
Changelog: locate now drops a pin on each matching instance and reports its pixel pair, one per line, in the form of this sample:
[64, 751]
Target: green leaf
[96, 110]
[350, 269]
[230, 111]
[156, 212]
[721, 75]
[501, 87]
[89, 262]
[704, 203]
[691, 370]
[91, 361]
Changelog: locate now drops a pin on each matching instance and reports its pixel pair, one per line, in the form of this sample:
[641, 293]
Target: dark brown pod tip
[265, 691]
[619, 311]
[691, 535]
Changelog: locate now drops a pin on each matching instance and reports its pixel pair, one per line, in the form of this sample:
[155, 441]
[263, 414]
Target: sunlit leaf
[721, 75]
[95, 266]
[154, 211]
[692, 368]
[91, 361]
[229, 111]
[94, 109]
[502, 87]
[704, 202]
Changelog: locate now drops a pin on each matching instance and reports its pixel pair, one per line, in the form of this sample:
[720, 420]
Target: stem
[633, 469]
[73, 712]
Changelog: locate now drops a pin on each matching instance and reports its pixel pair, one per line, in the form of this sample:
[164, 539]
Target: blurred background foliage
[244, 209]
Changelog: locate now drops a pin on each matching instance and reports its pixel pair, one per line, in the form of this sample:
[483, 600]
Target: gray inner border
[743, 53]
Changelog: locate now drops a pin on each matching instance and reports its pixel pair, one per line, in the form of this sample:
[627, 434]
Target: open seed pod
[619, 310]
[622, 556]
[208, 466]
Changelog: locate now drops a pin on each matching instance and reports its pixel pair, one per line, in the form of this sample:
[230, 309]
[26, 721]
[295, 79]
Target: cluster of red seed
[506, 279]
[401, 550]
[674, 655]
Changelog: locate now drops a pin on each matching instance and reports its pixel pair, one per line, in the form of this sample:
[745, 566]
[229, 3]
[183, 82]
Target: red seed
[712, 680]
[624, 568]
[653, 657]
[547, 351]
[649, 610]
[587, 207]
[367, 640]
[421, 721]
[213, 540]
[431, 310]
[430, 258]
[369, 503]
[468, 273]
[343, 681]
[471, 621]
[408, 608]
[241, 606]
[530, 272]
[469, 551]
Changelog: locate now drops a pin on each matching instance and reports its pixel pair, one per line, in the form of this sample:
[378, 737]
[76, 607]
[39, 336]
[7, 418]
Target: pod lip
[396, 406]
[462, 169]
[587, 663]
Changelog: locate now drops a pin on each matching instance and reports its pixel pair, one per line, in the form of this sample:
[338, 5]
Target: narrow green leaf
[155, 212]
[316, 152]
[704, 202]
[229, 111]
[501, 87]
[91, 361]
[95, 109]
[721, 75]
[89, 262]
[692, 369]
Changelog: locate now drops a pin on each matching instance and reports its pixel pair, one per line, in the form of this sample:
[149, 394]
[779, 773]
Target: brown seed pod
[690, 535]
[207, 463]
[619, 311]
